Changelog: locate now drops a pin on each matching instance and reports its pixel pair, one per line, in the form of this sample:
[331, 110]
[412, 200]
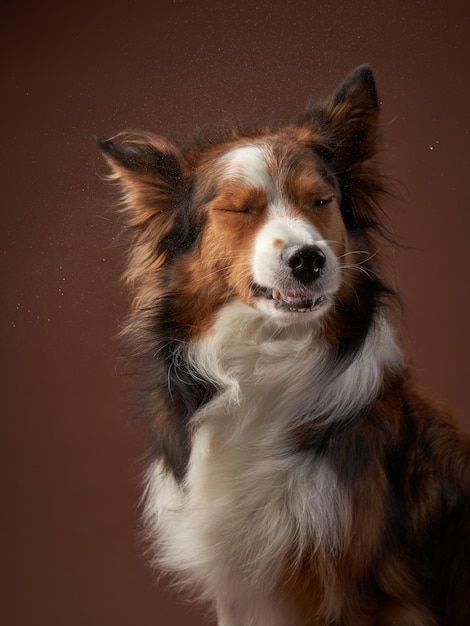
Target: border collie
[298, 478]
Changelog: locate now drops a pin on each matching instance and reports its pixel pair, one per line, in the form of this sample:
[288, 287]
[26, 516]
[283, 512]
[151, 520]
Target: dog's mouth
[290, 302]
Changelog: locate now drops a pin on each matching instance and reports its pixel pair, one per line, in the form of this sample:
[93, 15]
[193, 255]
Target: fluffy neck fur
[292, 365]
[248, 479]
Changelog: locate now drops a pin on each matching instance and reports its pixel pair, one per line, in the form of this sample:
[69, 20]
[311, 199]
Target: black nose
[306, 262]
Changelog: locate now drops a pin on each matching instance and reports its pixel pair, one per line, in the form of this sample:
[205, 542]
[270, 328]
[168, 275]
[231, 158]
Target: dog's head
[275, 218]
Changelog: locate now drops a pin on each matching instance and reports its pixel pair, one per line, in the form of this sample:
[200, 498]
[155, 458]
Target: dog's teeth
[276, 294]
[291, 299]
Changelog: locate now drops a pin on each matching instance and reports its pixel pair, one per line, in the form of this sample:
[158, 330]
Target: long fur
[297, 477]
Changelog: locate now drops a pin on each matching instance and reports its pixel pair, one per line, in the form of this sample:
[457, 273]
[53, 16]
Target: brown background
[69, 452]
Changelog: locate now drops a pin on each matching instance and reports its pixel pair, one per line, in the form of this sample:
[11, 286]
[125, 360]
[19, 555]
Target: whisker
[341, 256]
[370, 255]
[356, 266]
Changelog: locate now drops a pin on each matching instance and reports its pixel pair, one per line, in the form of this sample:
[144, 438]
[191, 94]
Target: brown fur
[404, 444]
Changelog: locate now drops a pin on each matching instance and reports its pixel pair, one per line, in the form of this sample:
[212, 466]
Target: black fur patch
[171, 391]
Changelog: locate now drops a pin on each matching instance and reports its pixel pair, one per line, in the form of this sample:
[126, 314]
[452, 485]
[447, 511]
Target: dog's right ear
[151, 171]
[153, 176]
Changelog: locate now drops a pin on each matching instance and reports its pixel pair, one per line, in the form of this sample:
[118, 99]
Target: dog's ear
[151, 172]
[154, 179]
[348, 119]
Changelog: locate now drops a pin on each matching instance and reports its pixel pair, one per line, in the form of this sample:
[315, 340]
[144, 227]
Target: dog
[297, 476]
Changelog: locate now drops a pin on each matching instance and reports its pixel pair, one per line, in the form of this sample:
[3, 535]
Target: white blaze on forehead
[249, 164]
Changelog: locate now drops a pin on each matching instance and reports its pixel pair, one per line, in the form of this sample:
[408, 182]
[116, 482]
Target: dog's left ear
[152, 174]
[348, 119]
[141, 155]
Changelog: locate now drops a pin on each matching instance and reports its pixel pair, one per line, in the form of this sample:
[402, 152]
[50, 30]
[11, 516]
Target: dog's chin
[289, 307]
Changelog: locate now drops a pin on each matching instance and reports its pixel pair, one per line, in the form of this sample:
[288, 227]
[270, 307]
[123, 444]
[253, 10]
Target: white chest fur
[249, 495]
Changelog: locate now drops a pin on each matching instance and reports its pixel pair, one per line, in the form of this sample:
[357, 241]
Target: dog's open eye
[321, 202]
